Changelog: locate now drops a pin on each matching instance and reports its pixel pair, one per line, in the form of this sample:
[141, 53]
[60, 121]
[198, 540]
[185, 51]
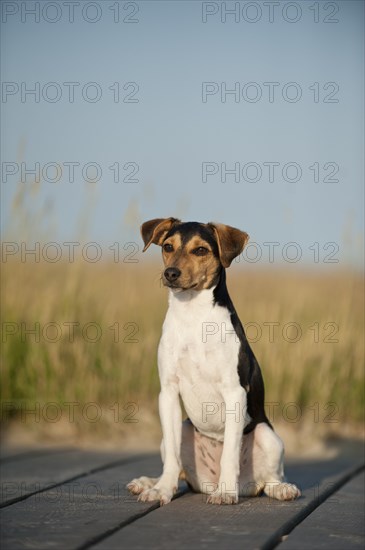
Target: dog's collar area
[204, 296]
[182, 289]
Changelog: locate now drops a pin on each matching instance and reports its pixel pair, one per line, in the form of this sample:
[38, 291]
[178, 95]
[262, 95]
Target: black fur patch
[188, 230]
[248, 368]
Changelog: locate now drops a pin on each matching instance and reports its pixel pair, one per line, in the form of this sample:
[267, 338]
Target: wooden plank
[34, 473]
[12, 455]
[96, 511]
[189, 522]
[81, 510]
[337, 524]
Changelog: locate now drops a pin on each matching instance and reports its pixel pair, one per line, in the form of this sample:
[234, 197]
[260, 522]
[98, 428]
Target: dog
[227, 447]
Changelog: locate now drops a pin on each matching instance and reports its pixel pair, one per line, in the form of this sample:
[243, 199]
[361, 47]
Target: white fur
[198, 360]
[202, 368]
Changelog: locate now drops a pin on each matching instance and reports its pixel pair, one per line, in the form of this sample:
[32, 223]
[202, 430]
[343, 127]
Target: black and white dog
[227, 447]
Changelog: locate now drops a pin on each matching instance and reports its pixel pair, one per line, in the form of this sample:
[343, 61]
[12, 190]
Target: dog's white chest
[199, 348]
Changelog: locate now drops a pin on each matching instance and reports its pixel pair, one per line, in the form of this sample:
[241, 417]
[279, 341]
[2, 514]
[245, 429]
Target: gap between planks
[286, 528]
[113, 464]
[132, 519]
[270, 544]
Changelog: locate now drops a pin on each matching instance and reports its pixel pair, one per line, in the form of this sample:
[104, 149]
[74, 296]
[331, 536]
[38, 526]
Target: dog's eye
[168, 247]
[200, 251]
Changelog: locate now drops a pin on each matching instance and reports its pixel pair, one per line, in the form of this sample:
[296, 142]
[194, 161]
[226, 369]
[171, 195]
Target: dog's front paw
[140, 484]
[223, 497]
[163, 494]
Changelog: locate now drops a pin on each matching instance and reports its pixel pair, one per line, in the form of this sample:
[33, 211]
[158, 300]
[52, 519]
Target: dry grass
[309, 373]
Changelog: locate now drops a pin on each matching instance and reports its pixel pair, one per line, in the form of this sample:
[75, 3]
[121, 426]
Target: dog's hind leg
[261, 463]
[268, 464]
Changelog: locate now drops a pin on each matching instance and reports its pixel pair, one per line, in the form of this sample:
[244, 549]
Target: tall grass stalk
[320, 374]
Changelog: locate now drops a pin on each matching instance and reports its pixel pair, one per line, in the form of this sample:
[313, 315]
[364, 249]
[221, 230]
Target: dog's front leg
[171, 421]
[234, 415]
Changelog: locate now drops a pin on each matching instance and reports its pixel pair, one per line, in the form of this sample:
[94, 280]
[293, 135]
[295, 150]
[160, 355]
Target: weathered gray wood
[11, 454]
[189, 522]
[337, 524]
[95, 511]
[78, 511]
[30, 474]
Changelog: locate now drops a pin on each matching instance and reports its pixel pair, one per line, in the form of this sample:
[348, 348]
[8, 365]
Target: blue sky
[310, 49]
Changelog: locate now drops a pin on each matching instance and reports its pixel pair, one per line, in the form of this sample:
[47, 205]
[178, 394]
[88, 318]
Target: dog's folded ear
[231, 242]
[155, 230]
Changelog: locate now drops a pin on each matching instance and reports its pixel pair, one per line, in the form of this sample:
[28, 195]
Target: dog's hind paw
[282, 491]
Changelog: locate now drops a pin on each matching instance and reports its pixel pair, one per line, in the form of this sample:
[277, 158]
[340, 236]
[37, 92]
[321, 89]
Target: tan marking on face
[168, 257]
[197, 271]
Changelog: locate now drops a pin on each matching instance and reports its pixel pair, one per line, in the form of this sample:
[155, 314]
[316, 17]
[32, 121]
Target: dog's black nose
[172, 273]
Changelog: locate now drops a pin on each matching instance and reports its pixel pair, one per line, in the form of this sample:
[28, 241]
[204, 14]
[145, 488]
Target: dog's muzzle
[171, 274]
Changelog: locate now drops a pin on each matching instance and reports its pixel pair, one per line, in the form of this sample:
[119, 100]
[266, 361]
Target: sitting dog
[227, 447]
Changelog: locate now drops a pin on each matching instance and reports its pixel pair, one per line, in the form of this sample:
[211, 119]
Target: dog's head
[193, 253]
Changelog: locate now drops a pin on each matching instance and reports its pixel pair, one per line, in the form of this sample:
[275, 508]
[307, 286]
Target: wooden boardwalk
[72, 499]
